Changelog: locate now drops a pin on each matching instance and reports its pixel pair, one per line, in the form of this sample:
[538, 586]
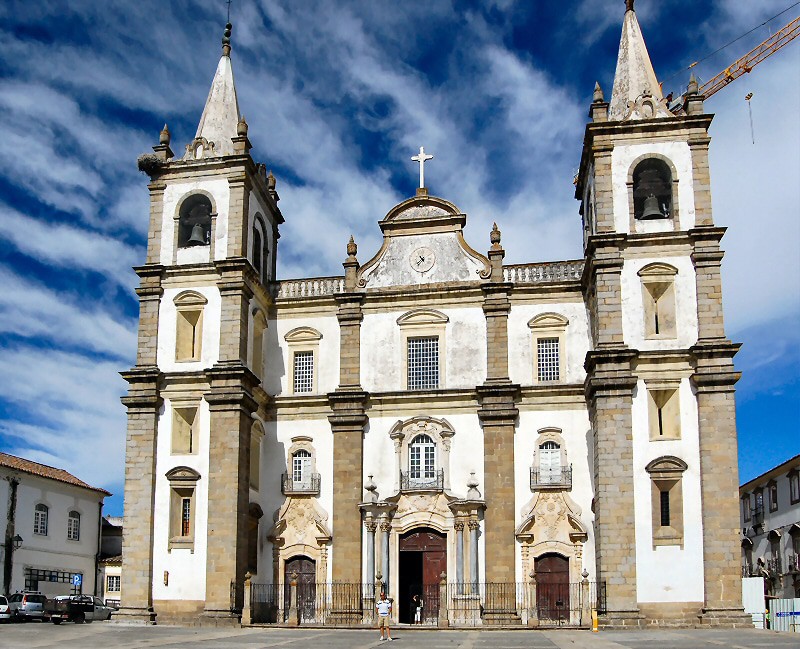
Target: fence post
[533, 610]
[586, 599]
[294, 614]
[247, 617]
[443, 600]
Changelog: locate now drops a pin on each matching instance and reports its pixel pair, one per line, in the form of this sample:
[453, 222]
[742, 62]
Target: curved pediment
[302, 334]
[182, 474]
[421, 208]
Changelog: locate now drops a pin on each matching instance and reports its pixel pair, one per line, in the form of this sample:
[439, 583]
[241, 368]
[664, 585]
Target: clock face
[422, 259]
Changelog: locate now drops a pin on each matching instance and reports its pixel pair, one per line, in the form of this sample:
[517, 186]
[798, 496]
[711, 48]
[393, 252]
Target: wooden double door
[552, 588]
[306, 570]
[423, 558]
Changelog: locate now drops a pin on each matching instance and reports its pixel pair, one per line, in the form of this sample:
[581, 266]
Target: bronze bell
[198, 237]
[651, 209]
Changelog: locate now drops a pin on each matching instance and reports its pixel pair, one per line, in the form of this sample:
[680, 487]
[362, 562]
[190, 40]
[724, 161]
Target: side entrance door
[552, 588]
[306, 570]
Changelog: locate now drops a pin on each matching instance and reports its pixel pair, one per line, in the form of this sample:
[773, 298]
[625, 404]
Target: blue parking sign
[77, 580]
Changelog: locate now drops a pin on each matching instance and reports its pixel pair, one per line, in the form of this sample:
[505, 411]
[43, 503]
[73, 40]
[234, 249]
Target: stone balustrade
[544, 273]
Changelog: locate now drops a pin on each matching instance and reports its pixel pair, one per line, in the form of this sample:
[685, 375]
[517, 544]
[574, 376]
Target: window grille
[303, 371]
[74, 526]
[33, 577]
[300, 466]
[186, 516]
[548, 362]
[665, 509]
[423, 363]
[40, 520]
[113, 583]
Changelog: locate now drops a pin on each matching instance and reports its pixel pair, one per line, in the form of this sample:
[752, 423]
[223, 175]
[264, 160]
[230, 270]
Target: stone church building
[432, 417]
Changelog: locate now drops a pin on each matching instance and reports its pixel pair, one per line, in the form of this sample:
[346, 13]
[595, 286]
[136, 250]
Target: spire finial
[226, 39]
[164, 136]
[693, 88]
[241, 127]
[628, 5]
[598, 93]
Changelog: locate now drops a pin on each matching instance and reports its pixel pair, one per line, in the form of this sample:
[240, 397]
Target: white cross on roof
[421, 158]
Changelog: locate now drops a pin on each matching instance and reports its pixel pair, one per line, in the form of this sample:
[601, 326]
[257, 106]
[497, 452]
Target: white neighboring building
[771, 528]
[110, 572]
[52, 528]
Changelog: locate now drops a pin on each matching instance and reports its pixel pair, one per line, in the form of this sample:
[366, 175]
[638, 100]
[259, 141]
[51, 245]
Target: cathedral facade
[434, 417]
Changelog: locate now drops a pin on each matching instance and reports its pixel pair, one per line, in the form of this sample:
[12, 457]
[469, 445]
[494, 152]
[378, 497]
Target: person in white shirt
[384, 609]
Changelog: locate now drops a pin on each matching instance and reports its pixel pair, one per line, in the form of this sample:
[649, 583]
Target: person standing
[384, 609]
[416, 603]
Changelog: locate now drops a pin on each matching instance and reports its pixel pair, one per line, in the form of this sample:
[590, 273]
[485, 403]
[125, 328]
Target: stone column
[609, 392]
[370, 526]
[143, 402]
[459, 528]
[156, 221]
[386, 527]
[247, 607]
[473, 553]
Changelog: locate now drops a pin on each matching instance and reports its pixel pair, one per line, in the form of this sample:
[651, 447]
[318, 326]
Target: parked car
[5, 614]
[27, 605]
[76, 608]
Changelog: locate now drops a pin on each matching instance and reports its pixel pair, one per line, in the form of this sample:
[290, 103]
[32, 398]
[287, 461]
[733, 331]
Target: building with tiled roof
[52, 529]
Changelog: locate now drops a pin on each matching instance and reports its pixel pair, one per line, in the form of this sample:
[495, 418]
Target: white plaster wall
[274, 449]
[382, 351]
[466, 456]
[521, 359]
[167, 330]
[173, 193]
[633, 304]
[576, 433]
[53, 551]
[187, 568]
[452, 263]
[668, 573]
[277, 353]
[622, 158]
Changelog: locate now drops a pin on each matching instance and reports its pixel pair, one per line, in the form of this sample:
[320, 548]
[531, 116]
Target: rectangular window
[548, 362]
[74, 528]
[188, 337]
[794, 487]
[186, 517]
[773, 497]
[183, 430]
[113, 584]
[664, 412]
[423, 363]
[746, 507]
[40, 520]
[415, 462]
[303, 371]
[665, 509]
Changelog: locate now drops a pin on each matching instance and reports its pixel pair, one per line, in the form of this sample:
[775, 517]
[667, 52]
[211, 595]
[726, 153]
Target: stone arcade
[517, 443]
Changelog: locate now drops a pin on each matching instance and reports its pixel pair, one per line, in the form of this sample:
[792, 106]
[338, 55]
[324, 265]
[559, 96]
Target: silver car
[4, 612]
[26, 605]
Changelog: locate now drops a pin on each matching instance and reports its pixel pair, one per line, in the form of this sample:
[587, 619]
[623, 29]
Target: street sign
[77, 580]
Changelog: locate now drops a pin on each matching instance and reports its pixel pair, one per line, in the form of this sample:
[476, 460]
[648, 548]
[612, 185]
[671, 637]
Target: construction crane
[750, 60]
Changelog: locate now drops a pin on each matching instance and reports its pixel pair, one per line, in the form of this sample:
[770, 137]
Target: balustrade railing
[311, 287]
[545, 273]
[556, 478]
[409, 482]
[308, 484]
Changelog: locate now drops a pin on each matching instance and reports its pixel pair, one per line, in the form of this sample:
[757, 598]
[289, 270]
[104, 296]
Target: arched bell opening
[652, 190]
[194, 223]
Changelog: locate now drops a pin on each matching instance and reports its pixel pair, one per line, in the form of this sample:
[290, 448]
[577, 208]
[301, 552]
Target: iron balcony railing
[309, 484]
[422, 483]
[758, 516]
[773, 566]
[560, 478]
[793, 563]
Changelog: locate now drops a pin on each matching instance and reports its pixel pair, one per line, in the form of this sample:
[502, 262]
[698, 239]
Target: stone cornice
[497, 403]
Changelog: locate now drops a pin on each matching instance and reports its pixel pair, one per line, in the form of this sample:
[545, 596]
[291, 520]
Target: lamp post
[17, 541]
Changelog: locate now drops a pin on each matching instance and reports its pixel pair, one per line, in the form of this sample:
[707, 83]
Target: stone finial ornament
[628, 5]
[164, 136]
[271, 181]
[352, 250]
[226, 40]
[494, 237]
[371, 488]
[472, 487]
[597, 97]
[241, 127]
[693, 87]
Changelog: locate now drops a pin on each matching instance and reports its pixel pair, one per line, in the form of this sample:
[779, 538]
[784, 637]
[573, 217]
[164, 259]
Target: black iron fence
[413, 482]
[554, 478]
[452, 604]
[308, 484]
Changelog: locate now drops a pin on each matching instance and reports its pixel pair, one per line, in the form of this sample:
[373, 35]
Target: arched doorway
[552, 587]
[306, 570]
[423, 558]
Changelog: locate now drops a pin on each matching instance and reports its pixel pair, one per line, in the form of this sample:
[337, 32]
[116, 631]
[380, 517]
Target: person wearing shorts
[384, 609]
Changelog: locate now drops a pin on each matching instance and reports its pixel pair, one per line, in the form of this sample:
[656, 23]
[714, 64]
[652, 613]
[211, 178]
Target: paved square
[117, 636]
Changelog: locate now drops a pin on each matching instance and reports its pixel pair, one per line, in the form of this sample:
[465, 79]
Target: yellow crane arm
[752, 58]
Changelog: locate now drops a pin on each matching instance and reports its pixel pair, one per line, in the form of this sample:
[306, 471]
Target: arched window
[422, 459]
[74, 526]
[260, 248]
[550, 469]
[257, 245]
[301, 468]
[550, 463]
[189, 326]
[301, 478]
[40, 514]
[194, 227]
[652, 190]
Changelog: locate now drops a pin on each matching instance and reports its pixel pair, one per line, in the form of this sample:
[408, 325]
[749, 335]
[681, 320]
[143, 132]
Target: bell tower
[660, 376]
[211, 251]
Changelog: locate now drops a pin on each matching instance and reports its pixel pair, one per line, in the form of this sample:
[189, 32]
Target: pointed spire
[597, 96]
[220, 120]
[636, 93]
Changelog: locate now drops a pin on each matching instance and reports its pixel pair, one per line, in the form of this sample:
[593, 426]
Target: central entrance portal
[423, 558]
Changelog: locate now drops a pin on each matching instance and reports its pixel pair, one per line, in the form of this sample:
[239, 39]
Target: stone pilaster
[235, 294]
[603, 273]
[714, 381]
[609, 392]
[603, 188]
[240, 185]
[701, 180]
[707, 258]
[149, 293]
[231, 402]
[143, 403]
[156, 220]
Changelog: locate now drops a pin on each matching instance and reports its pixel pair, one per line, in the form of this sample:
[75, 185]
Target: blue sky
[338, 96]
